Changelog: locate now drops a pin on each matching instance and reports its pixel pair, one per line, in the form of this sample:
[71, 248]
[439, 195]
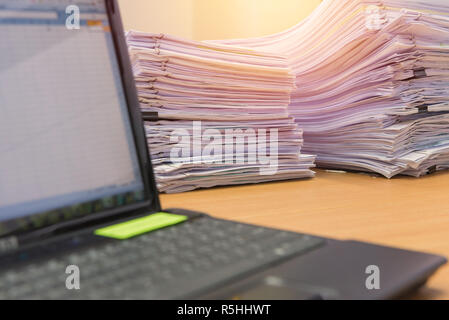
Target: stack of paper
[222, 113]
[372, 83]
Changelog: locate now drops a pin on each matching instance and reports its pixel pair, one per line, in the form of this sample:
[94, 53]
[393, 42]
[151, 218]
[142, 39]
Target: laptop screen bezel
[151, 202]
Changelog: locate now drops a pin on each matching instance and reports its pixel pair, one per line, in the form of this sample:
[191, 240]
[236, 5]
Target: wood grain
[403, 212]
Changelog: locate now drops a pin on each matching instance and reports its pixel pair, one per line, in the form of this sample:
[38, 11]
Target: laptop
[80, 216]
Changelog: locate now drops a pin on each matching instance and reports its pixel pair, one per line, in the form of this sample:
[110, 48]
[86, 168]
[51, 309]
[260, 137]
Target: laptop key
[169, 263]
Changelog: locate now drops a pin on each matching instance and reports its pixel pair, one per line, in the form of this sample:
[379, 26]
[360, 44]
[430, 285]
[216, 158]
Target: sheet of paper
[224, 117]
[372, 83]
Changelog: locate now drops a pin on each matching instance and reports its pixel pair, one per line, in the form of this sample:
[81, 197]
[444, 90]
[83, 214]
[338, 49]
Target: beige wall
[159, 16]
[222, 19]
[214, 19]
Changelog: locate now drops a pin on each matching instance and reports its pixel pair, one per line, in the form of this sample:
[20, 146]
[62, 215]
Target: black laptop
[80, 216]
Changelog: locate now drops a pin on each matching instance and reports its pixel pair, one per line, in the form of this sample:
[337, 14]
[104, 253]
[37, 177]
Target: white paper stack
[372, 83]
[223, 114]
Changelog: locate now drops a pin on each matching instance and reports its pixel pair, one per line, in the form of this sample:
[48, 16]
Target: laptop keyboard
[176, 262]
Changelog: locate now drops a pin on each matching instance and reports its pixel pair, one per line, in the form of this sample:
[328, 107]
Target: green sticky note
[137, 227]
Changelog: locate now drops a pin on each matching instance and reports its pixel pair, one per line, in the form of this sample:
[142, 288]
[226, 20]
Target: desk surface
[403, 212]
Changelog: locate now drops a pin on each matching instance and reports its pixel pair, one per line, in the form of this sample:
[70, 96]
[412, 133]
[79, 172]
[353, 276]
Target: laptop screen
[66, 141]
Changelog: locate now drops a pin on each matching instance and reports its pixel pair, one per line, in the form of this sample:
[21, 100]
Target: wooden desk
[402, 212]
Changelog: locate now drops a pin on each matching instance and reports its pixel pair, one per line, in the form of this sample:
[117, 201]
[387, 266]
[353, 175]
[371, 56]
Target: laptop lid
[72, 143]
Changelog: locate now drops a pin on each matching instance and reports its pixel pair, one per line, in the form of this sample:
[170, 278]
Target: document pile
[372, 83]
[222, 113]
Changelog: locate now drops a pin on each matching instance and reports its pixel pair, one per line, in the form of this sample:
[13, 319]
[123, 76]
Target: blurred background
[214, 19]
